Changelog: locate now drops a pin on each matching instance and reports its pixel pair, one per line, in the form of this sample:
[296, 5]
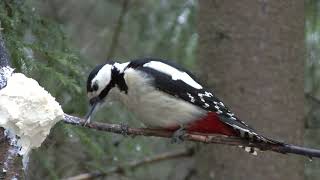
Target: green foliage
[39, 49]
[168, 32]
[42, 40]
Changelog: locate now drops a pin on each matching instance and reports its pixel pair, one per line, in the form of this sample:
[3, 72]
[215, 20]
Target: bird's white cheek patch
[27, 111]
[103, 77]
[173, 72]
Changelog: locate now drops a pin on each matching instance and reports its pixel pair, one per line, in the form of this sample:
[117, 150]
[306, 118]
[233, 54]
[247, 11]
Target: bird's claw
[124, 129]
[178, 136]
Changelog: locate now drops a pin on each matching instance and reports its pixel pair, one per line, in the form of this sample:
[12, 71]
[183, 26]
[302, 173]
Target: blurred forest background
[58, 42]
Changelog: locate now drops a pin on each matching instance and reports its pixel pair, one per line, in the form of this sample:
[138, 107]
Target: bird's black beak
[93, 103]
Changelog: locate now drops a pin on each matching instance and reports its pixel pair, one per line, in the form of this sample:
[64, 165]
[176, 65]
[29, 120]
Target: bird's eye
[95, 87]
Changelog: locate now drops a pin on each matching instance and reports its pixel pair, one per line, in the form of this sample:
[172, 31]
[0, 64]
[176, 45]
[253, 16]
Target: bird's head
[101, 80]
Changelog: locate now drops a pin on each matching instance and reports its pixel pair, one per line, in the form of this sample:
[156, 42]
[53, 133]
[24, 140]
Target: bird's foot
[124, 129]
[178, 135]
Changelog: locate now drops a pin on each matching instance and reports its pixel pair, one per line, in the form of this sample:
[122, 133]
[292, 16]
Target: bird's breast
[154, 107]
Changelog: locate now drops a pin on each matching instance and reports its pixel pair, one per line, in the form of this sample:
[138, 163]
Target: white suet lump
[28, 111]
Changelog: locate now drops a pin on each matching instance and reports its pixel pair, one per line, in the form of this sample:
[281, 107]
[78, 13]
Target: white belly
[155, 108]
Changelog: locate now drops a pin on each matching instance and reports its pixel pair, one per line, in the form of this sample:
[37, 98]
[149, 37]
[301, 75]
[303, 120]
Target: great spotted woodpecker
[164, 95]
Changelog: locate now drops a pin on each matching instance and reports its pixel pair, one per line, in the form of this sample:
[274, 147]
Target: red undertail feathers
[211, 124]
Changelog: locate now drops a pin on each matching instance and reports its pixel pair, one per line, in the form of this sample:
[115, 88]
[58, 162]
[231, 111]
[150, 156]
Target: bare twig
[135, 164]
[117, 30]
[216, 139]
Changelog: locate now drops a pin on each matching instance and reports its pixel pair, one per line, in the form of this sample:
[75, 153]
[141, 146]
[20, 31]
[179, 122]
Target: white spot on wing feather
[201, 97]
[191, 97]
[206, 105]
[208, 94]
[173, 72]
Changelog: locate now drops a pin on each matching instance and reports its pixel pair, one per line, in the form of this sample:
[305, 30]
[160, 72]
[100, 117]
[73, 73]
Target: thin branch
[215, 139]
[117, 30]
[135, 164]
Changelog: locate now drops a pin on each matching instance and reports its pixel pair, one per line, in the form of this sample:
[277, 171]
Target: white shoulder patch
[173, 72]
[121, 66]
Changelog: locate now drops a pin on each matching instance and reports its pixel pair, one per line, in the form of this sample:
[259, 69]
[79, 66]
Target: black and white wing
[180, 83]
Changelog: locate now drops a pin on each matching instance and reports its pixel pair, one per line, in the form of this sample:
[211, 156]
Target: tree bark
[252, 54]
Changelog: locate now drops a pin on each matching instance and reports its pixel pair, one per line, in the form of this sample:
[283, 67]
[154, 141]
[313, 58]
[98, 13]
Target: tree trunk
[252, 54]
